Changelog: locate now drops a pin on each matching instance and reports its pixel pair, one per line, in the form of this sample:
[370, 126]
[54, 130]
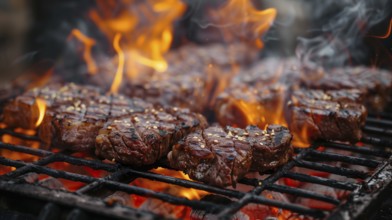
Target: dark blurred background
[33, 32]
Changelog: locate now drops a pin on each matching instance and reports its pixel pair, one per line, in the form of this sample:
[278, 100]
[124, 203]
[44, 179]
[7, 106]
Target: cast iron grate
[374, 153]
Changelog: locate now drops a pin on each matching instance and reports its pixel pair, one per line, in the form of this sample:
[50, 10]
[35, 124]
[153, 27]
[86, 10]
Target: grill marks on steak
[213, 157]
[76, 126]
[221, 156]
[330, 115]
[128, 130]
[145, 137]
[271, 148]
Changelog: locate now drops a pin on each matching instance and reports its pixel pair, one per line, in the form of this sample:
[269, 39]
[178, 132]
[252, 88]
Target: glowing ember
[41, 104]
[120, 69]
[240, 19]
[88, 44]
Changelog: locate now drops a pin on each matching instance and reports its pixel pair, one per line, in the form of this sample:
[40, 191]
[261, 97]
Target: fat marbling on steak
[221, 156]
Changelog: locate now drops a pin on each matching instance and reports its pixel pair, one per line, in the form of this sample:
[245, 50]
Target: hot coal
[329, 115]
[251, 211]
[221, 156]
[145, 137]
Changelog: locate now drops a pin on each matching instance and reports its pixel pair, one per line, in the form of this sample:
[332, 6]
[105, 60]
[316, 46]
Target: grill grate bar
[321, 181]
[25, 169]
[162, 196]
[300, 209]
[186, 183]
[59, 173]
[344, 158]
[19, 135]
[119, 176]
[280, 172]
[97, 165]
[377, 141]
[332, 169]
[302, 193]
[11, 163]
[99, 182]
[380, 115]
[378, 130]
[27, 150]
[362, 149]
[379, 122]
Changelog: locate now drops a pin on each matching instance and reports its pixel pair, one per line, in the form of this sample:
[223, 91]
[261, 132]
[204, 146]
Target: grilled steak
[321, 105]
[190, 81]
[376, 85]
[221, 156]
[271, 147]
[23, 110]
[330, 115]
[145, 137]
[76, 126]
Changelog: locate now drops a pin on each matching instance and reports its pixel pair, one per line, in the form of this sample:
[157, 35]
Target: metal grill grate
[374, 154]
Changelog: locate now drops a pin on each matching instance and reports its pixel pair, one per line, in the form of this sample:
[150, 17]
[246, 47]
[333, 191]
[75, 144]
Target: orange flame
[88, 44]
[146, 27]
[189, 193]
[120, 69]
[41, 104]
[301, 138]
[240, 19]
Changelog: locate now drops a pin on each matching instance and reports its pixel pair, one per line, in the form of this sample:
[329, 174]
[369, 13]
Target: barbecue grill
[367, 192]
[29, 188]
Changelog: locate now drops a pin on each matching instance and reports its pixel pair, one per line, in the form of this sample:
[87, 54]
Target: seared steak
[23, 111]
[375, 84]
[330, 115]
[271, 147]
[145, 137]
[76, 126]
[275, 91]
[221, 156]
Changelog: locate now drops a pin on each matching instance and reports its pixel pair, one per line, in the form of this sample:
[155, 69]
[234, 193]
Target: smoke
[339, 40]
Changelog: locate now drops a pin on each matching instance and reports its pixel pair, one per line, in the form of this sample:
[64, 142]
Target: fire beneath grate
[57, 183]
